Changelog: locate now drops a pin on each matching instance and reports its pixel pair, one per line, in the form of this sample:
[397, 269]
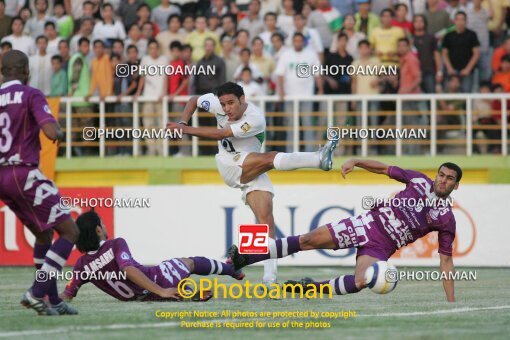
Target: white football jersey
[249, 131]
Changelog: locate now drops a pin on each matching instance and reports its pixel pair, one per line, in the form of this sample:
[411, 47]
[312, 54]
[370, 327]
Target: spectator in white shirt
[50, 32]
[250, 87]
[154, 86]
[285, 19]
[294, 81]
[245, 62]
[40, 67]
[312, 37]
[35, 25]
[161, 13]
[19, 41]
[253, 21]
[135, 38]
[108, 28]
[12, 7]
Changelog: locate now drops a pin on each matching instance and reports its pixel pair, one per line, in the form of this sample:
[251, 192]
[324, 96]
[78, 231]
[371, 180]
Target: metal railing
[325, 116]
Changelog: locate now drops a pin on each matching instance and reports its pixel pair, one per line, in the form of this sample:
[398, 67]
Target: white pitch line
[443, 311]
[176, 324]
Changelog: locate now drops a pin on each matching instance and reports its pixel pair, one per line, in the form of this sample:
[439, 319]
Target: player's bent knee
[188, 263]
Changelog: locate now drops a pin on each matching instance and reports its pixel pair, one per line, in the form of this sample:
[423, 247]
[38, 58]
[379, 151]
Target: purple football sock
[206, 266]
[343, 285]
[40, 251]
[55, 259]
[277, 249]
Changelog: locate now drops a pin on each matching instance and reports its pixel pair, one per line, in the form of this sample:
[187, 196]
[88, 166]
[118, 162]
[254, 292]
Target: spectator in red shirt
[410, 80]
[500, 52]
[179, 80]
[401, 19]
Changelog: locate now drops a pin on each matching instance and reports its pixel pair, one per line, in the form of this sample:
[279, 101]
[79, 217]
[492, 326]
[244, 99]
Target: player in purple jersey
[34, 199]
[378, 233]
[104, 263]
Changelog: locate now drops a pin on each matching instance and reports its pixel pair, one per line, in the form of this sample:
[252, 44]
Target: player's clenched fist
[176, 126]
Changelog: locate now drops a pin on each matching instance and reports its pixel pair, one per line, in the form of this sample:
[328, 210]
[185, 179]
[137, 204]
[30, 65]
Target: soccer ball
[381, 277]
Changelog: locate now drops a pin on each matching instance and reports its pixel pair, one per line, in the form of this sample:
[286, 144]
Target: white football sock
[270, 270]
[296, 160]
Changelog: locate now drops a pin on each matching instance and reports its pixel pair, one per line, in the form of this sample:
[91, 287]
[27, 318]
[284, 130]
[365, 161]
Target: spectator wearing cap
[253, 21]
[108, 28]
[5, 21]
[499, 52]
[327, 20]
[127, 11]
[437, 19]
[428, 53]
[461, 51]
[477, 19]
[35, 25]
[162, 12]
[384, 39]
[18, 40]
[198, 37]
[229, 56]
[366, 21]
[173, 33]
[285, 20]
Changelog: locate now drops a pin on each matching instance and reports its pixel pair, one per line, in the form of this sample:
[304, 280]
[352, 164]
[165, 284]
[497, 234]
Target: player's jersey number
[227, 145]
[121, 288]
[5, 134]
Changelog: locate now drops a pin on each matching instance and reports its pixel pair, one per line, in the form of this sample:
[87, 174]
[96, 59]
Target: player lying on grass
[378, 233]
[107, 258]
[240, 134]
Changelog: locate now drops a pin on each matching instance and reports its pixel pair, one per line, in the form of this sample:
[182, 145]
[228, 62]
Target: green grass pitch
[414, 310]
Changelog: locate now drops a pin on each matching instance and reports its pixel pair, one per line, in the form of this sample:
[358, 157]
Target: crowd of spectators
[75, 45]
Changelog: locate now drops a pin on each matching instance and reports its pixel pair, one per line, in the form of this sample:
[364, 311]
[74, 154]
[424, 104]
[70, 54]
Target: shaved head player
[24, 189]
[378, 233]
[240, 134]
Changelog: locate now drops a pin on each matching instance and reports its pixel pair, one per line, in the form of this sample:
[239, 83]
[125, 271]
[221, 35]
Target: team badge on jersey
[206, 105]
[246, 127]
[237, 156]
[124, 256]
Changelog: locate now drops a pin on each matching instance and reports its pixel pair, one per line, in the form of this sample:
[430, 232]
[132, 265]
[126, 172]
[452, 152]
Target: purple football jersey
[405, 223]
[23, 110]
[104, 269]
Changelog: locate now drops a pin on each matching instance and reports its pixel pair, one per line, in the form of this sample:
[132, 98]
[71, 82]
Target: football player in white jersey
[240, 134]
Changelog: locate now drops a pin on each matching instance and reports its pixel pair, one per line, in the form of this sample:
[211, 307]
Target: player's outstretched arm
[189, 109]
[367, 164]
[446, 267]
[53, 132]
[203, 132]
[136, 276]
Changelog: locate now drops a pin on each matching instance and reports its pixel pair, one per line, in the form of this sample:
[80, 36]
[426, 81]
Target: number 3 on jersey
[227, 145]
[5, 134]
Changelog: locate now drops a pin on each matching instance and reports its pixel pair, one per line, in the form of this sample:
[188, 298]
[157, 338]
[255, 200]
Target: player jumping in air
[24, 189]
[378, 233]
[103, 260]
[240, 134]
